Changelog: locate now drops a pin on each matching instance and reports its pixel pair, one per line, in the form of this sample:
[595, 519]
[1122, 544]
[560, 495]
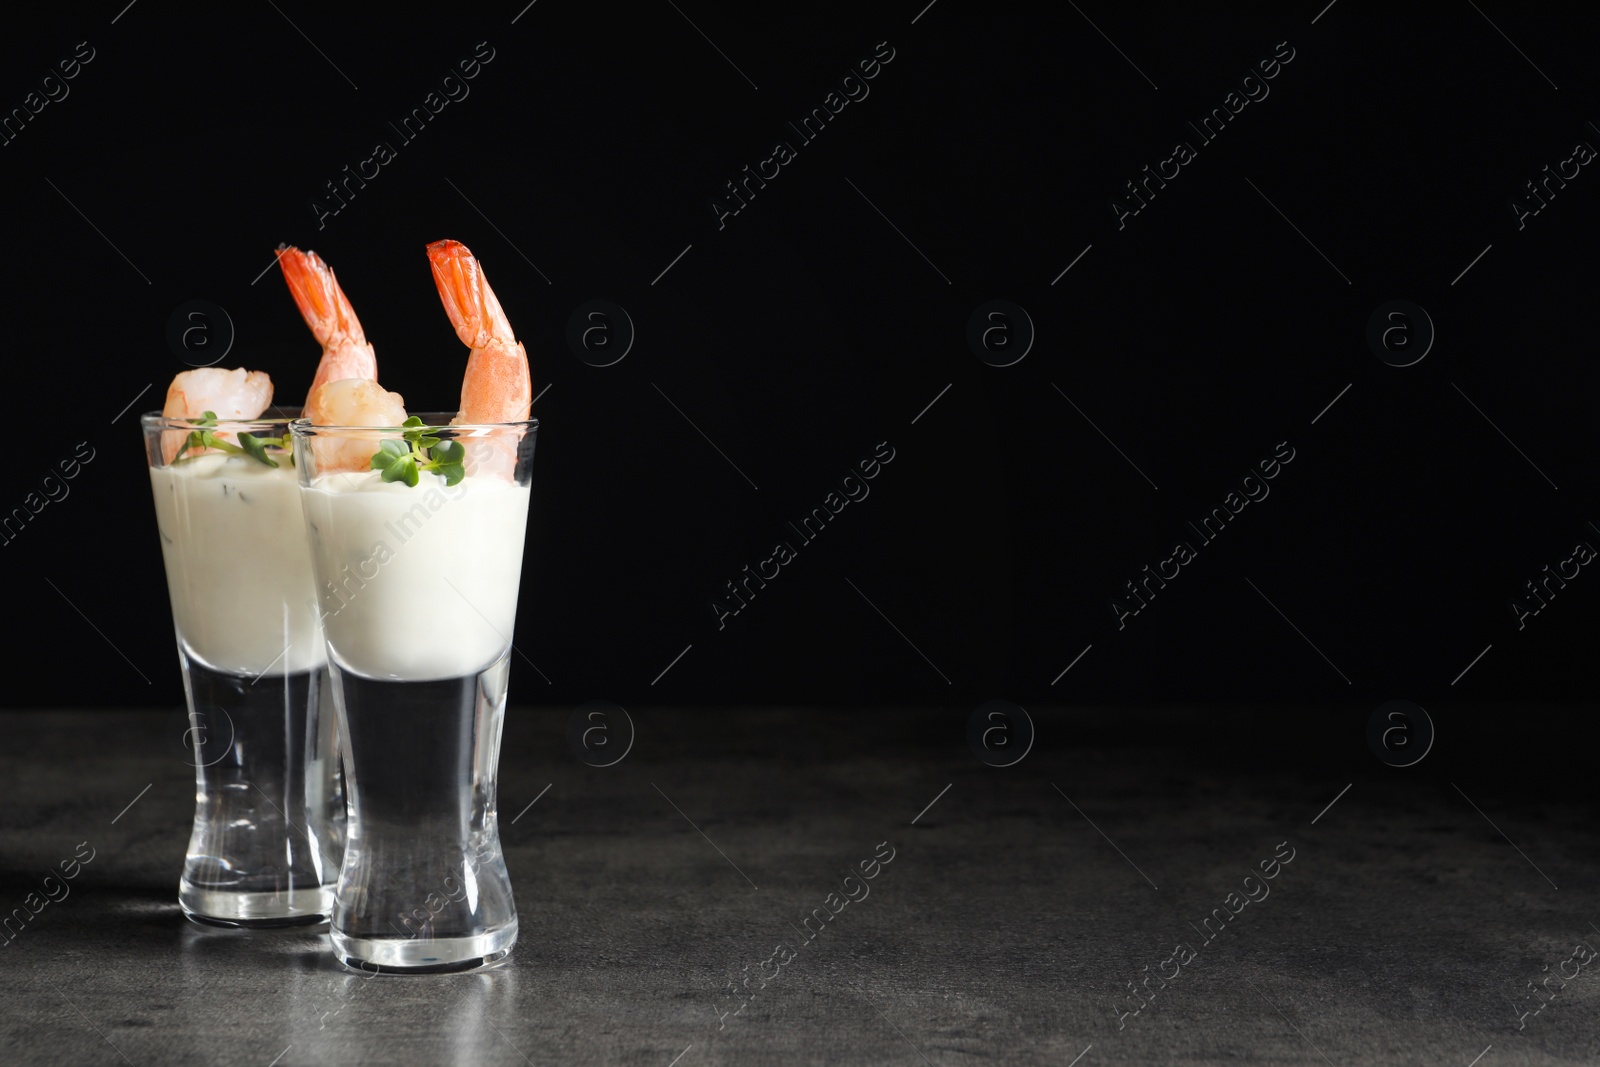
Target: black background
[808, 330]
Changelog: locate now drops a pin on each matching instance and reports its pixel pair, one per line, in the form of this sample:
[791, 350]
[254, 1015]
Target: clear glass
[418, 587]
[268, 831]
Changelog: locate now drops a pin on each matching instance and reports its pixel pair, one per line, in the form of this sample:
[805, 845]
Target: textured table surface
[1015, 911]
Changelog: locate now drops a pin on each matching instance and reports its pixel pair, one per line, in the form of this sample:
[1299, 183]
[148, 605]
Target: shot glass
[416, 541]
[269, 815]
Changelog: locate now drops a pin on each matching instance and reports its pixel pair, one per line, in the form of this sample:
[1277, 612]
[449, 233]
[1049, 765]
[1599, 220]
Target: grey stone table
[1018, 905]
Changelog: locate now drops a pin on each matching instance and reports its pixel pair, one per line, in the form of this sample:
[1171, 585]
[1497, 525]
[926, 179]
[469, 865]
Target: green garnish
[249, 444]
[257, 447]
[421, 451]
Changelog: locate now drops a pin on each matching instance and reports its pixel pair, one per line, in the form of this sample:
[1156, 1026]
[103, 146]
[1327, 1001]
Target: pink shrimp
[333, 322]
[355, 402]
[235, 394]
[351, 402]
[497, 386]
[345, 389]
[231, 395]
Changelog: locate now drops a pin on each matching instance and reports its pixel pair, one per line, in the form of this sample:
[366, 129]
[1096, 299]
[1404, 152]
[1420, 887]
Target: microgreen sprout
[420, 451]
[249, 444]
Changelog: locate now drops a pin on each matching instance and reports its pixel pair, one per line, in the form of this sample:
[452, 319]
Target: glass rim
[155, 420]
[431, 420]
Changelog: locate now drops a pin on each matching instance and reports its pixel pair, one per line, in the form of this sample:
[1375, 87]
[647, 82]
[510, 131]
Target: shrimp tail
[317, 294]
[497, 386]
[468, 301]
[333, 322]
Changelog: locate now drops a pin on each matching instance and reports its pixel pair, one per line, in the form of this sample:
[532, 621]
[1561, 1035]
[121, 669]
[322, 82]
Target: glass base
[224, 907]
[424, 887]
[269, 813]
[438, 955]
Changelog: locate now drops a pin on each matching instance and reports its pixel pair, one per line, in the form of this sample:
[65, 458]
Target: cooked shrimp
[497, 386]
[231, 395]
[354, 402]
[351, 402]
[333, 322]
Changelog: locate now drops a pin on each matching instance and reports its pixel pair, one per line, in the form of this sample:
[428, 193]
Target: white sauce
[417, 583]
[238, 566]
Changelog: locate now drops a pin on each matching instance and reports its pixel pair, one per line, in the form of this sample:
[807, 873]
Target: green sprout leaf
[420, 451]
[256, 447]
[415, 433]
[448, 461]
[197, 438]
[249, 444]
[397, 462]
[402, 469]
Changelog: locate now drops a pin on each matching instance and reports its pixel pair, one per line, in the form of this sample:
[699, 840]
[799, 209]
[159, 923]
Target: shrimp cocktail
[416, 526]
[269, 811]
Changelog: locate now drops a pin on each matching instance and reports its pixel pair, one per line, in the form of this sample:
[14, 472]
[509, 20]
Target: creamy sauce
[238, 567]
[416, 583]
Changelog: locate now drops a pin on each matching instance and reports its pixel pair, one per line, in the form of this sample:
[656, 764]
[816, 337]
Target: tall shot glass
[269, 807]
[418, 566]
